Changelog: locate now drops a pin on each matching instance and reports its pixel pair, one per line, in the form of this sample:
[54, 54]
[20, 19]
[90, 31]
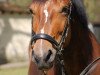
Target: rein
[86, 70]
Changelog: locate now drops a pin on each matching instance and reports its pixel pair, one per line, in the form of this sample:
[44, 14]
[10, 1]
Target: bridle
[58, 46]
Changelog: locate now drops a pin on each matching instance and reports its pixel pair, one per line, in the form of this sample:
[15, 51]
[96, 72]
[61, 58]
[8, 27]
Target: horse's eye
[65, 11]
[60, 32]
[31, 11]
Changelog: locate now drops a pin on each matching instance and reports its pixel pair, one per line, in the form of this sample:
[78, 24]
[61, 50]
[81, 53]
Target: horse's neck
[82, 49]
[96, 47]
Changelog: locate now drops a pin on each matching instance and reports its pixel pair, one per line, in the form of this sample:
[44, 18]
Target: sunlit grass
[14, 71]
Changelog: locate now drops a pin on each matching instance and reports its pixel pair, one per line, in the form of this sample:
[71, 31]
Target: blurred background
[15, 29]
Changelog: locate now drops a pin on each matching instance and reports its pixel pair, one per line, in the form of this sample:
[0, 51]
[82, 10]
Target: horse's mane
[79, 10]
[79, 49]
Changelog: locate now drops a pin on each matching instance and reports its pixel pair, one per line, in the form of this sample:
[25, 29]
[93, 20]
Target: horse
[61, 42]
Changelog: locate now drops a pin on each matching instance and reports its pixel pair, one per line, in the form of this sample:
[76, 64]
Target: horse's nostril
[32, 53]
[48, 55]
[35, 58]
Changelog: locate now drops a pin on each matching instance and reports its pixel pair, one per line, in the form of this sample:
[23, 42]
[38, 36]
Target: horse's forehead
[50, 3]
[36, 6]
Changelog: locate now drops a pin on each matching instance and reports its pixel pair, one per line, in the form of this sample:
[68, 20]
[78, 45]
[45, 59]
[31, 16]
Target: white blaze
[46, 14]
[41, 51]
[42, 30]
[41, 43]
[46, 17]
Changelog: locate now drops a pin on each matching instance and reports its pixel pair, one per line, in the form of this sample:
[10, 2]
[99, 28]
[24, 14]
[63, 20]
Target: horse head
[50, 26]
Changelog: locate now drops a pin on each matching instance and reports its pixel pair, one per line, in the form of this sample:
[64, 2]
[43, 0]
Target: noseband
[45, 37]
[50, 39]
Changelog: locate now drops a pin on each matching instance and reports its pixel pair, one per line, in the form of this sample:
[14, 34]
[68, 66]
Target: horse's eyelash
[64, 9]
[31, 11]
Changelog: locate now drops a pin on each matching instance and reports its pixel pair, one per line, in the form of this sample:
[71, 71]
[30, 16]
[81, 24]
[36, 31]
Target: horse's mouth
[45, 66]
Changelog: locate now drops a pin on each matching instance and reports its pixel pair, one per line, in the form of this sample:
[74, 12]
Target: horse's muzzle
[45, 62]
[44, 66]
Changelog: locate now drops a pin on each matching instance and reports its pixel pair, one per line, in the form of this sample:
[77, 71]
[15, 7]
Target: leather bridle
[49, 38]
[57, 45]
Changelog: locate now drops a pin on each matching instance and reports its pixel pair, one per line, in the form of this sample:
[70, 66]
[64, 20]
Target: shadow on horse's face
[49, 17]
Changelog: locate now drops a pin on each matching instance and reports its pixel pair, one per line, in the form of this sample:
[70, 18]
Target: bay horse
[61, 42]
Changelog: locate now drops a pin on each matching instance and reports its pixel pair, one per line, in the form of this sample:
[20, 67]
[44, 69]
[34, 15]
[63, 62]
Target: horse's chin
[45, 67]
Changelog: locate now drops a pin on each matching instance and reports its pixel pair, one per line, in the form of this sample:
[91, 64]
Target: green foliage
[14, 71]
[90, 8]
[93, 9]
[97, 11]
[22, 3]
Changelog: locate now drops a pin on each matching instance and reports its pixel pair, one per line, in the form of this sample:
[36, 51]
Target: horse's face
[49, 17]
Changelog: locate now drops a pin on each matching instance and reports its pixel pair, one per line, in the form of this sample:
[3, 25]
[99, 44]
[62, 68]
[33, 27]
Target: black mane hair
[79, 10]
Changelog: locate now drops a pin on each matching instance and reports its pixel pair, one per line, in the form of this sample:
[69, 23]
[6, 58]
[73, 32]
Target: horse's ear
[61, 1]
[66, 1]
